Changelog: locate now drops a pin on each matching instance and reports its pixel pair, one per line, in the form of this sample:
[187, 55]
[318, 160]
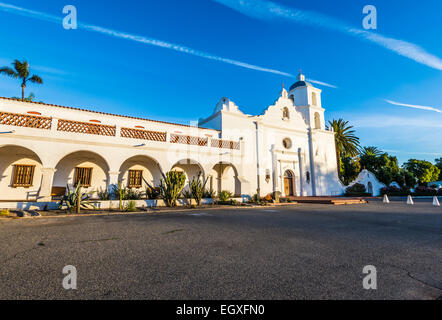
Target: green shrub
[186, 194]
[103, 194]
[357, 190]
[224, 196]
[130, 206]
[209, 194]
[133, 194]
[171, 187]
[393, 191]
[153, 193]
[424, 191]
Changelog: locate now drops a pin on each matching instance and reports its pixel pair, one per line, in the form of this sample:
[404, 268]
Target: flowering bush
[424, 191]
[395, 191]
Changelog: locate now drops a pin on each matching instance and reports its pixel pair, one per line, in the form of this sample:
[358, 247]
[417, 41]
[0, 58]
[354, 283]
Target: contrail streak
[142, 39]
[414, 106]
[267, 10]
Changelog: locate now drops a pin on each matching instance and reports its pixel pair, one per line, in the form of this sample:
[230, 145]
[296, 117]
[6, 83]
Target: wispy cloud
[267, 10]
[413, 106]
[41, 69]
[142, 39]
[147, 40]
[397, 122]
[325, 84]
[412, 152]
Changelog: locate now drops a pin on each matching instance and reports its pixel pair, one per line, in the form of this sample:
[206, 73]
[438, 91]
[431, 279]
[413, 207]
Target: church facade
[287, 149]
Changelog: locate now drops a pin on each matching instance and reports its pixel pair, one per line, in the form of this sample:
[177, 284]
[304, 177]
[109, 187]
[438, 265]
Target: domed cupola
[301, 82]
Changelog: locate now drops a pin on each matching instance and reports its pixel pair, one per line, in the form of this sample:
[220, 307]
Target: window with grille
[83, 176]
[23, 176]
[135, 178]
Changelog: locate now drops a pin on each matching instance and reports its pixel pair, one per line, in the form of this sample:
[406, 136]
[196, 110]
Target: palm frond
[9, 72]
[22, 68]
[36, 79]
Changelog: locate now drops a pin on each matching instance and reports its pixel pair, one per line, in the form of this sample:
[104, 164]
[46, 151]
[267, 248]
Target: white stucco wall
[260, 163]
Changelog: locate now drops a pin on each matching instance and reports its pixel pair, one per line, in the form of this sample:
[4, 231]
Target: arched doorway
[224, 176]
[289, 185]
[370, 188]
[191, 168]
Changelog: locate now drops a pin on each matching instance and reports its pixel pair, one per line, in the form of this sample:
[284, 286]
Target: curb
[147, 212]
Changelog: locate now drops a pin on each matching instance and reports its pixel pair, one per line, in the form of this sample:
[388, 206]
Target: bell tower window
[317, 121]
[314, 99]
[286, 113]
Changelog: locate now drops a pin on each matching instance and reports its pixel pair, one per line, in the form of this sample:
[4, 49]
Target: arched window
[317, 121]
[286, 113]
[314, 99]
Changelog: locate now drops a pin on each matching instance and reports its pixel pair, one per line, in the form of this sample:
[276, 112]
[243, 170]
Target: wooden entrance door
[288, 183]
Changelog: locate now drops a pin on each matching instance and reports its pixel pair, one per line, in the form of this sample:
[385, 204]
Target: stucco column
[113, 178]
[275, 170]
[302, 190]
[46, 184]
[54, 125]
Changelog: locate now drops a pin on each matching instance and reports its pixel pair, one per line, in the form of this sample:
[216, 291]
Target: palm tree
[21, 72]
[370, 151]
[347, 143]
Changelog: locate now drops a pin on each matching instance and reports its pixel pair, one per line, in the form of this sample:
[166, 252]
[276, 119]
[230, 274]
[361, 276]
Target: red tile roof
[104, 113]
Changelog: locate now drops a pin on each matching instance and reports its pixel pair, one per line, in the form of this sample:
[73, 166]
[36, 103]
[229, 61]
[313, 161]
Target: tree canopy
[424, 171]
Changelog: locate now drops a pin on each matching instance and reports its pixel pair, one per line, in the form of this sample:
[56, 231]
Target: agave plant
[152, 192]
[76, 199]
[225, 196]
[171, 186]
[209, 194]
[103, 194]
[197, 188]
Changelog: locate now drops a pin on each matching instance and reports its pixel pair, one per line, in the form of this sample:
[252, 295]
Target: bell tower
[307, 100]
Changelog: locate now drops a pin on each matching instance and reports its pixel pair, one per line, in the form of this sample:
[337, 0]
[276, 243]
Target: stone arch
[191, 168]
[151, 170]
[10, 157]
[66, 167]
[289, 183]
[224, 176]
[370, 189]
[317, 121]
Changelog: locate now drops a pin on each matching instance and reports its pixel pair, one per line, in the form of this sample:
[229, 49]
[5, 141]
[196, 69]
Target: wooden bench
[58, 191]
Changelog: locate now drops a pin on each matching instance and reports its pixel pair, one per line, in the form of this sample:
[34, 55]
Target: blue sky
[85, 68]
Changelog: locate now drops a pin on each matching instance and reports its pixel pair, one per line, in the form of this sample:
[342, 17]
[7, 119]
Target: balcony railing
[225, 144]
[85, 127]
[143, 134]
[197, 141]
[38, 122]
[22, 120]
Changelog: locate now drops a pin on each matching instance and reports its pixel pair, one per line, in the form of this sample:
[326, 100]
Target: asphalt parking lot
[298, 252]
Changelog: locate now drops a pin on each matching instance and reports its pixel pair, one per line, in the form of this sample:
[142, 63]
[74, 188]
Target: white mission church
[287, 148]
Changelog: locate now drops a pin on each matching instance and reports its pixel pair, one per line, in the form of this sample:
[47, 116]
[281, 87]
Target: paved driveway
[298, 252]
